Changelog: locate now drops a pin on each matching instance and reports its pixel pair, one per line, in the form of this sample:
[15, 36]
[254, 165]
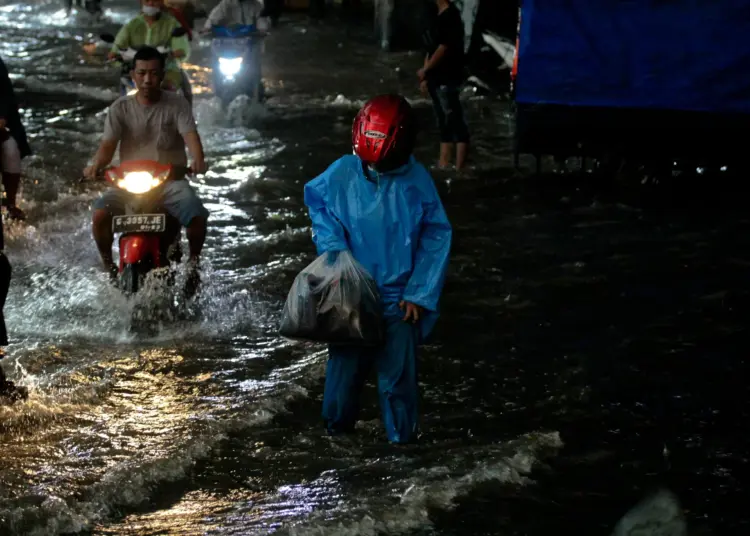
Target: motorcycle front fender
[135, 248]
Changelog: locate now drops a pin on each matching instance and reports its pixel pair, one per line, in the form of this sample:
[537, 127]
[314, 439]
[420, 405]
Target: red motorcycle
[149, 236]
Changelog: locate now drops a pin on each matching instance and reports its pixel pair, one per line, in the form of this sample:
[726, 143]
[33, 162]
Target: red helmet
[384, 132]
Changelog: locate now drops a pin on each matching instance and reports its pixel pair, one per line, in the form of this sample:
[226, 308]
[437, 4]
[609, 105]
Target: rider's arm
[110, 139]
[122, 40]
[187, 129]
[104, 154]
[257, 11]
[195, 146]
[181, 47]
[218, 15]
[263, 24]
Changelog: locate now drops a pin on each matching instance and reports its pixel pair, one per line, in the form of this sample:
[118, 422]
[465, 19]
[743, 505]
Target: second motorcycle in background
[236, 62]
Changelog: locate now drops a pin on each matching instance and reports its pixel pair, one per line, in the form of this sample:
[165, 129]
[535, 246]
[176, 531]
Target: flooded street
[570, 315]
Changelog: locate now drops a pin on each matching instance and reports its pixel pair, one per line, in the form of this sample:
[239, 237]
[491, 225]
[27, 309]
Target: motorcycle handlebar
[257, 33]
[100, 174]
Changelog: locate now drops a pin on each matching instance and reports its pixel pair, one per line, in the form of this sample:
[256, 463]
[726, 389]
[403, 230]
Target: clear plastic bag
[334, 300]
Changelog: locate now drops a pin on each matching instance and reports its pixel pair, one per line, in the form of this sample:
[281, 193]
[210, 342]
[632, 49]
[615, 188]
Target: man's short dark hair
[150, 54]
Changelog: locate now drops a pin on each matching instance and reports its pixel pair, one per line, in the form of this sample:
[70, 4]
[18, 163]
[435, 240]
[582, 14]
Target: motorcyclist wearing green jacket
[153, 27]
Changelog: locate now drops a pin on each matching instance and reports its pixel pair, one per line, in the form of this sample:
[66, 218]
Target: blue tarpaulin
[653, 54]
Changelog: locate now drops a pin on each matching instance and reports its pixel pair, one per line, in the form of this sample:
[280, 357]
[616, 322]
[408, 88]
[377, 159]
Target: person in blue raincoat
[383, 206]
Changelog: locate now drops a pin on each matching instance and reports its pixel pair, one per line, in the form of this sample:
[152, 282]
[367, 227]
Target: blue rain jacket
[394, 225]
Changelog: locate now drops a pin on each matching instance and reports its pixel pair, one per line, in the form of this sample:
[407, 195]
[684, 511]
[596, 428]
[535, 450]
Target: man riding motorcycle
[153, 125]
[242, 14]
[154, 27]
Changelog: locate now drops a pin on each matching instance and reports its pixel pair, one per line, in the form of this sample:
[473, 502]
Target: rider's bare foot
[112, 271]
[9, 391]
[439, 166]
[193, 279]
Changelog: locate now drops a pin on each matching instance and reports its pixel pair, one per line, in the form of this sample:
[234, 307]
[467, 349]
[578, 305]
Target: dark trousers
[449, 113]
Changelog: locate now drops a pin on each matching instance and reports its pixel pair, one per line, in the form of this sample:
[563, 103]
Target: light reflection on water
[212, 422]
[113, 415]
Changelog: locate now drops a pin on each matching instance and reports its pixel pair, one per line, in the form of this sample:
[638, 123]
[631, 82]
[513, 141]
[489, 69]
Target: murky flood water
[618, 329]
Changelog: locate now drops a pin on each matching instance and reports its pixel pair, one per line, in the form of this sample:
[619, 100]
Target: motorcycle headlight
[230, 66]
[139, 182]
[132, 92]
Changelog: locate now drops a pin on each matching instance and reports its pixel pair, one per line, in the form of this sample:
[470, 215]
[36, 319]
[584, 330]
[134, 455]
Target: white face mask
[150, 11]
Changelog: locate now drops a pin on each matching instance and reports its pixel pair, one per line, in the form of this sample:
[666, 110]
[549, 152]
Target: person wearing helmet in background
[243, 13]
[237, 12]
[382, 206]
[153, 27]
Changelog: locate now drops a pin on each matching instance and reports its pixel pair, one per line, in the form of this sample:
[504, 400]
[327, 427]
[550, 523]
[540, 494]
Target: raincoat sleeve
[327, 230]
[181, 43]
[433, 251]
[122, 39]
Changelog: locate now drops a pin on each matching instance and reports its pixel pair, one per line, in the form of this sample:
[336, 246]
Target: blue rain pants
[396, 366]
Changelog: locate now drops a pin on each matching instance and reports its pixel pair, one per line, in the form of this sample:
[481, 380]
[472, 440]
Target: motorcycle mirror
[107, 38]
[179, 32]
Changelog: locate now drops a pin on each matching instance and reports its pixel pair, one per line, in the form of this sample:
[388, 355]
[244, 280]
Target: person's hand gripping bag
[334, 300]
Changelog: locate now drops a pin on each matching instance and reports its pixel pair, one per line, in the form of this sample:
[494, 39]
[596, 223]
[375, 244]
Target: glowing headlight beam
[139, 182]
[230, 66]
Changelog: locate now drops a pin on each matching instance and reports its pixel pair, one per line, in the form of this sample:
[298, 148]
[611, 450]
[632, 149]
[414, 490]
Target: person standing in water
[382, 206]
[442, 76]
[9, 392]
[13, 143]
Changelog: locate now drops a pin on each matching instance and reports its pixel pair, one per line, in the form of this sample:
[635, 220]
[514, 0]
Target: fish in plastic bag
[334, 300]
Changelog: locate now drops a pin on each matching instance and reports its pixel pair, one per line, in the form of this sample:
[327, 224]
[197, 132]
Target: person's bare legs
[456, 127]
[11, 182]
[462, 152]
[11, 173]
[101, 228]
[196, 235]
[446, 152]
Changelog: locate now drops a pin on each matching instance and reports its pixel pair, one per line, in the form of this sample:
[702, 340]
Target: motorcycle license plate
[139, 223]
